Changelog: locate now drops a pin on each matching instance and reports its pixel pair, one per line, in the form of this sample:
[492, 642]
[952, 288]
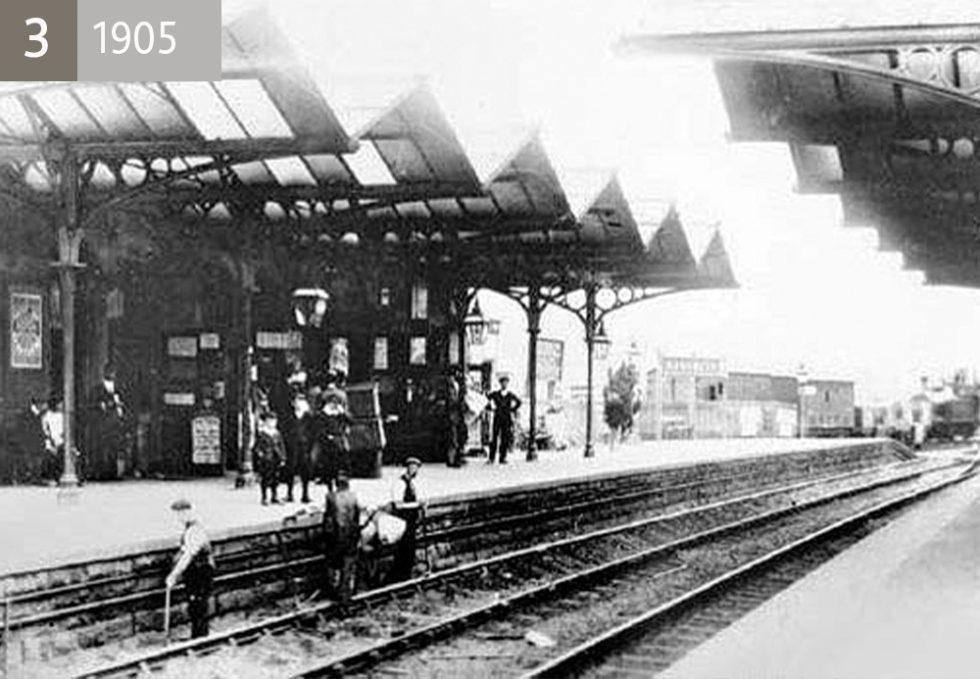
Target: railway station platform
[904, 603]
[41, 526]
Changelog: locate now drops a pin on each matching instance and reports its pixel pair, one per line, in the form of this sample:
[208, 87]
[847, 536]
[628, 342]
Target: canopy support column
[533, 308]
[69, 242]
[246, 280]
[590, 331]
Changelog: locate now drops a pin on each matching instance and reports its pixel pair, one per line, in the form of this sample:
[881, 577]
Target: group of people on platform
[301, 432]
[40, 436]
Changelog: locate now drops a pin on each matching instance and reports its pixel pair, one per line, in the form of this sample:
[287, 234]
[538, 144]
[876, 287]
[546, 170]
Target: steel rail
[591, 652]
[244, 634]
[371, 656]
[436, 536]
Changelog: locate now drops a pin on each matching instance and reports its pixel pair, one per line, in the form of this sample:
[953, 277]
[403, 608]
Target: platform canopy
[264, 148]
[886, 117]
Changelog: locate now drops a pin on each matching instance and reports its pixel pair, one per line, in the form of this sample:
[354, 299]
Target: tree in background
[622, 399]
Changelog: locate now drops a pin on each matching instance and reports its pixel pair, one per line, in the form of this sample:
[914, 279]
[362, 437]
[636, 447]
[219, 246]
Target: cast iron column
[69, 242]
[246, 286]
[590, 328]
[533, 330]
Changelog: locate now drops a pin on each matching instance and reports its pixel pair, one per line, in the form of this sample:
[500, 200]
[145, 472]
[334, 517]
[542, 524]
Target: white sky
[812, 292]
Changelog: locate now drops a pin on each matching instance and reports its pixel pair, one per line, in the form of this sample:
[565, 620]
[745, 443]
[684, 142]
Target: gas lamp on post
[310, 306]
[309, 311]
[601, 342]
[476, 325]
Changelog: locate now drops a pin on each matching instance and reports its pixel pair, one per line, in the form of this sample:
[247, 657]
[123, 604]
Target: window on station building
[716, 391]
[826, 396]
[420, 301]
[380, 353]
[416, 351]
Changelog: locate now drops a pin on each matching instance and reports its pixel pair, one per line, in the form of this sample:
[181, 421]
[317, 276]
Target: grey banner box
[193, 40]
[54, 42]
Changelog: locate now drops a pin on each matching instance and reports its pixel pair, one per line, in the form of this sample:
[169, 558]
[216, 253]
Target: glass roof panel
[66, 114]
[206, 110]
[156, 109]
[382, 213]
[254, 172]
[252, 106]
[15, 118]
[112, 112]
[291, 171]
[328, 169]
[368, 166]
[511, 198]
[414, 209]
[479, 206]
[404, 159]
[445, 207]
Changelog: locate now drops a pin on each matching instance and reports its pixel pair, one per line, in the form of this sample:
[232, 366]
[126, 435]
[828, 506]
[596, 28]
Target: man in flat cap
[342, 534]
[407, 504]
[194, 564]
[504, 404]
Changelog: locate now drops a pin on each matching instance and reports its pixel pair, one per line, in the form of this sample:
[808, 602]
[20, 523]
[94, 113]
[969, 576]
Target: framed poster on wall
[26, 338]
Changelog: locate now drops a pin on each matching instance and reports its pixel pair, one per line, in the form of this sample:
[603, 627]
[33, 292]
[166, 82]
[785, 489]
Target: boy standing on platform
[270, 455]
[195, 565]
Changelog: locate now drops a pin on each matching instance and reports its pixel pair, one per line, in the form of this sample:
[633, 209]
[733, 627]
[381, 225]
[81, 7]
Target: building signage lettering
[278, 340]
[692, 366]
[182, 347]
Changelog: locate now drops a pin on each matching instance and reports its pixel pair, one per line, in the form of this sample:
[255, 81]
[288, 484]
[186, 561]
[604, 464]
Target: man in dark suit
[504, 404]
[108, 437]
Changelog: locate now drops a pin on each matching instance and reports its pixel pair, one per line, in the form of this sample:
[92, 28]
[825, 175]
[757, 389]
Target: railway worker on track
[342, 533]
[407, 503]
[194, 564]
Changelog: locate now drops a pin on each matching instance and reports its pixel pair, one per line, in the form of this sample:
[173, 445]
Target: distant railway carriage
[955, 419]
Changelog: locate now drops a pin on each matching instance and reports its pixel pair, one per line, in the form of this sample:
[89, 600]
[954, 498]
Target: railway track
[287, 565]
[384, 622]
[654, 640]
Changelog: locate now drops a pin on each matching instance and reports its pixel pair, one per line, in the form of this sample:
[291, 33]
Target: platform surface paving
[902, 603]
[39, 526]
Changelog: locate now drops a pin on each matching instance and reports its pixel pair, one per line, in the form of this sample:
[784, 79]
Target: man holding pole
[195, 564]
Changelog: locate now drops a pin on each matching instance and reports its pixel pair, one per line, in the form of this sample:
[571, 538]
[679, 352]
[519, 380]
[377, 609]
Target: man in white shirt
[408, 504]
[194, 564]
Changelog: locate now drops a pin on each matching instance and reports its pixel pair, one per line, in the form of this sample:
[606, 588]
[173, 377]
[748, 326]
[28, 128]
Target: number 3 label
[42, 30]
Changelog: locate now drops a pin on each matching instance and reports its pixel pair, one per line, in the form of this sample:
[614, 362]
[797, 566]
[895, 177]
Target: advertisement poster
[26, 340]
[206, 439]
[550, 357]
